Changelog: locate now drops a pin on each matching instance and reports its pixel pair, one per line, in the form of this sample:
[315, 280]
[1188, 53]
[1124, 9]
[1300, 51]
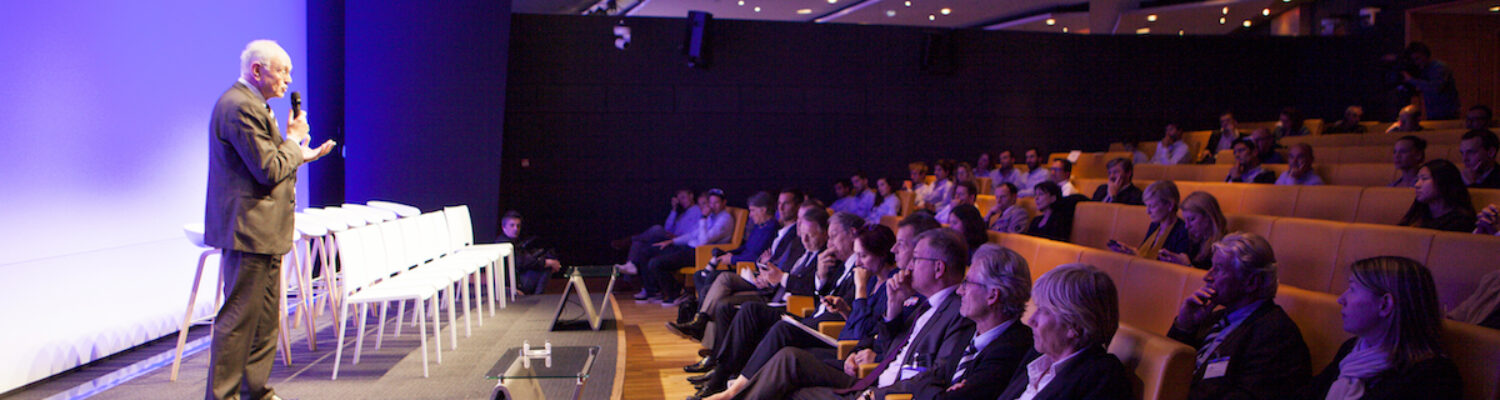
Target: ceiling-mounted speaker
[695, 41]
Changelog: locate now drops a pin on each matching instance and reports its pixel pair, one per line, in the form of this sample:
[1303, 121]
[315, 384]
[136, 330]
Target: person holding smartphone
[1167, 232]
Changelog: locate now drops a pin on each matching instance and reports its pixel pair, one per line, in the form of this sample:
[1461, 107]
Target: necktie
[963, 364]
[868, 380]
[1212, 340]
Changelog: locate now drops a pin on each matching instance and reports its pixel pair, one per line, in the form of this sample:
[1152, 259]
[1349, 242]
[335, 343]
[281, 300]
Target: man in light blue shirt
[1034, 172]
[1171, 150]
[661, 262]
[681, 221]
[864, 197]
[845, 199]
[1005, 171]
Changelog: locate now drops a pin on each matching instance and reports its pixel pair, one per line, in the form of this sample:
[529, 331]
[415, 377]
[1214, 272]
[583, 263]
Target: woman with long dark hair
[1442, 201]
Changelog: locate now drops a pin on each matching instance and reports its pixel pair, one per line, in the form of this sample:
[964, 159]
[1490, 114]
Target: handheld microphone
[296, 104]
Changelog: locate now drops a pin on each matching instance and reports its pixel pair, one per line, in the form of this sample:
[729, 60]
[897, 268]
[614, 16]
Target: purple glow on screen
[105, 108]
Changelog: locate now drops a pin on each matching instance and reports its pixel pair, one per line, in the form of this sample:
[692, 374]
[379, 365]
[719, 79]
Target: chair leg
[187, 317]
[421, 332]
[437, 330]
[338, 353]
[401, 316]
[359, 334]
[463, 288]
[489, 275]
[476, 284]
[380, 331]
[452, 321]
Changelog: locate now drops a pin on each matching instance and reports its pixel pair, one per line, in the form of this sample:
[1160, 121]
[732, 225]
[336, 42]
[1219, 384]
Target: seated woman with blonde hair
[1077, 313]
[1205, 224]
[1167, 233]
[1391, 308]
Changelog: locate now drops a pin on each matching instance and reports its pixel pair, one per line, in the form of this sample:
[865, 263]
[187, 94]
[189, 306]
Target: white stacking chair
[336, 220]
[400, 255]
[194, 233]
[461, 240]
[311, 232]
[365, 276]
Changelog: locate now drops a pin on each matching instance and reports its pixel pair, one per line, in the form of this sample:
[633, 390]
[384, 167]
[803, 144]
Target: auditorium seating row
[1315, 254]
[1344, 154]
[1445, 135]
[703, 254]
[1365, 204]
[1349, 174]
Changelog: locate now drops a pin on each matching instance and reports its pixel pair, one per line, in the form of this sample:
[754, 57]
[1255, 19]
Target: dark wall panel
[608, 134]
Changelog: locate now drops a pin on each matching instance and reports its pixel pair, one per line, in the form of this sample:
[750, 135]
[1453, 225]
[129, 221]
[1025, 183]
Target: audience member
[1035, 173]
[967, 222]
[1408, 154]
[1007, 216]
[1249, 348]
[964, 194]
[963, 172]
[1391, 308]
[1077, 313]
[887, 203]
[845, 199]
[864, 195]
[1409, 120]
[1289, 123]
[1299, 168]
[759, 232]
[1222, 139]
[715, 286]
[1205, 226]
[1050, 223]
[933, 329]
[1488, 221]
[1266, 146]
[1120, 188]
[533, 264]
[942, 188]
[1350, 123]
[1061, 173]
[1478, 148]
[681, 221]
[1167, 232]
[1434, 81]
[1006, 171]
[917, 183]
[1171, 150]
[984, 166]
[1479, 117]
[1442, 202]
[1246, 167]
[993, 295]
[662, 260]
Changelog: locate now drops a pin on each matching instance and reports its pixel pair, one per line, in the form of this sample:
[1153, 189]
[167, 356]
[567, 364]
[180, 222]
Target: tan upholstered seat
[1131, 223]
[1361, 174]
[1306, 251]
[1152, 292]
[1457, 260]
[1258, 224]
[1383, 205]
[1333, 203]
[1092, 223]
[1274, 200]
[1317, 316]
[1475, 350]
[1364, 241]
[1163, 367]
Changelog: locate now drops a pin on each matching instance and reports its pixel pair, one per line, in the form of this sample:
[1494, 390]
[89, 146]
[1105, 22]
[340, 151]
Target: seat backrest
[984, 203]
[1087, 186]
[1092, 223]
[1457, 260]
[460, 227]
[1304, 249]
[1363, 241]
[1152, 292]
[1383, 205]
[1327, 202]
[1257, 224]
[1484, 197]
[1181, 173]
[1026, 246]
[1211, 173]
[740, 216]
[412, 240]
[890, 221]
[984, 184]
[1318, 318]
[1272, 200]
[1162, 366]
[1475, 350]
[908, 204]
[1051, 253]
[1229, 195]
[354, 265]
[394, 242]
[1112, 263]
[1151, 172]
[1131, 223]
[1361, 174]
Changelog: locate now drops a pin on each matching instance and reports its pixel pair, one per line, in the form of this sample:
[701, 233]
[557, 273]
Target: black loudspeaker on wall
[937, 53]
[695, 41]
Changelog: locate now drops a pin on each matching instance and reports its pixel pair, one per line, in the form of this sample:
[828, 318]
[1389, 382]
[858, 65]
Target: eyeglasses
[933, 259]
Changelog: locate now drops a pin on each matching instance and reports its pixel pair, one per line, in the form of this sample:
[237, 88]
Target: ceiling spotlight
[946, 11]
[1265, 12]
[1142, 31]
[1065, 29]
[742, 2]
[805, 11]
[1246, 23]
[1180, 32]
[1151, 18]
[1226, 10]
[1495, 9]
[908, 4]
[833, 1]
[890, 13]
[1222, 21]
[757, 8]
[931, 17]
[1051, 22]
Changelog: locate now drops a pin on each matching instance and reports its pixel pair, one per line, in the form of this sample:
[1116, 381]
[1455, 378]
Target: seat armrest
[831, 328]
[846, 347]
[866, 369]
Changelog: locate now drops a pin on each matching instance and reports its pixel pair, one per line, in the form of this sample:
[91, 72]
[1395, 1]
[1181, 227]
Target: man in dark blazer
[994, 292]
[929, 335]
[252, 176]
[1121, 187]
[1249, 349]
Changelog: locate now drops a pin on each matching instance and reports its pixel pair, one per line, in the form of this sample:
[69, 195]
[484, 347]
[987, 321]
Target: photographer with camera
[1432, 79]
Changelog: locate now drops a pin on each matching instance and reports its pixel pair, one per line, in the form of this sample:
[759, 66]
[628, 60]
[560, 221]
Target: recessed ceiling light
[1051, 22]
[931, 17]
[1265, 12]
[757, 9]
[946, 11]
[1495, 9]
[890, 13]
[1180, 32]
[1222, 21]
[1142, 31]
[1226, 10]
[1246, 23]
[742, 2]
[1065, 29]
[908, 4]
[833, 1]
[805, 11]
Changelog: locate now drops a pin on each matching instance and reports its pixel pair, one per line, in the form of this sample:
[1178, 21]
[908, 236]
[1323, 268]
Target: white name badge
[1216, 368]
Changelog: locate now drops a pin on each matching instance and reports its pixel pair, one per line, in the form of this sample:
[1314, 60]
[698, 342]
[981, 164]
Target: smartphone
[1115, 245]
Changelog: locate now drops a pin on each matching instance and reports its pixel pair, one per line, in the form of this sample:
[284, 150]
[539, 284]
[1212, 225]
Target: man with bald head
[252, 179]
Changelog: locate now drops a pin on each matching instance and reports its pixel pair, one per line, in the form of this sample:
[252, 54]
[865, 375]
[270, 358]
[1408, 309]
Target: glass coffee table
[577, 287]
[522, 378]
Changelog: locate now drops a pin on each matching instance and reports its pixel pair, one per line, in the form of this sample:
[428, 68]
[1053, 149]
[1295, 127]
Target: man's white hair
[261, 52]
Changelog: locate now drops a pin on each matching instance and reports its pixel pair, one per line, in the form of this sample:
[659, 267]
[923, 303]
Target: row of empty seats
[1365, 204]
[1315, 254]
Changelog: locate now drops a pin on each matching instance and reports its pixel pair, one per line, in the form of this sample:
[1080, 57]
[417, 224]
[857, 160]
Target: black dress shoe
[705, 352]
[709, 389]
[697, 380]
[704, 365]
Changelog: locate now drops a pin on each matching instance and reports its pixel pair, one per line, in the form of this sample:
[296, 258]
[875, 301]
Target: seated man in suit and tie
[1121, 187]
[994, 294]
[1249, 347]
[930, 334]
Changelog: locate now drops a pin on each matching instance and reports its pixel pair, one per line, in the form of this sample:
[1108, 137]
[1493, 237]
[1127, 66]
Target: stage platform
[394, 371]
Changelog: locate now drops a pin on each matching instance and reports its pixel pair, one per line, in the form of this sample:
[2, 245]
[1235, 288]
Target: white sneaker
[628, 268]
